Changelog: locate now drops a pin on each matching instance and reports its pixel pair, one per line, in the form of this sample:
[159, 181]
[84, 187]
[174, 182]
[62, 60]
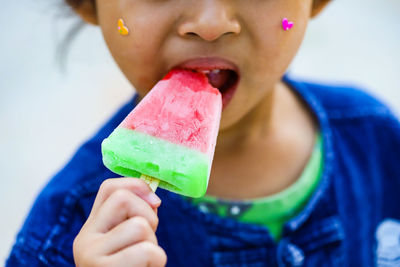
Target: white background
[46, 113]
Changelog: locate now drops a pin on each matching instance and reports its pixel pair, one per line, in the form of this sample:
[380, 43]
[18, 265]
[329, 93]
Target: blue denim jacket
[359, 189]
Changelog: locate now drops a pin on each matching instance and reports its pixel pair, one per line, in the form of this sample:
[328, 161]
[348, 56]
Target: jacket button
[289, 255]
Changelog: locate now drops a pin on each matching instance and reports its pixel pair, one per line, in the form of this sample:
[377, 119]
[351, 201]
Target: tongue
[218, 79]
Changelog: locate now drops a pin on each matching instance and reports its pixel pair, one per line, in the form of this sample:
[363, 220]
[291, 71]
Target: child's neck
[266, 151]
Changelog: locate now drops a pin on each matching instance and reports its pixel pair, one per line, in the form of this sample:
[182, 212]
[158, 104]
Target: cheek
[274, 46]
[137, 53]
[271, 51]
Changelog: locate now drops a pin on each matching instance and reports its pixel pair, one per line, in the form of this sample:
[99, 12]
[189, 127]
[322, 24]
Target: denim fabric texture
[359, 189]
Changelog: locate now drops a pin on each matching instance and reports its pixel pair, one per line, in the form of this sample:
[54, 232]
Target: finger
[136, 186]
[129, 232]
[140, 254]
[120, 206]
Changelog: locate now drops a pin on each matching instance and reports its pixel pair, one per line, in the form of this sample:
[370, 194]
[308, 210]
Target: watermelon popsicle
[170, 135]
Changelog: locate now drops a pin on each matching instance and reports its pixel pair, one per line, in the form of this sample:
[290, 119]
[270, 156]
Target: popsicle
[170, 136]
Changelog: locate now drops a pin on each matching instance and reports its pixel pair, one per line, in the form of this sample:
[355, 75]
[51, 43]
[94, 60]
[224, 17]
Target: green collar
[271, 211]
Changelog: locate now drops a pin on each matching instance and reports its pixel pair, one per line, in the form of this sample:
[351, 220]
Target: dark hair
[77, 3]
[63, 46]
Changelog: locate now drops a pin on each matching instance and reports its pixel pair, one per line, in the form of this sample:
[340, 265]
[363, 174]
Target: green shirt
[272, 211]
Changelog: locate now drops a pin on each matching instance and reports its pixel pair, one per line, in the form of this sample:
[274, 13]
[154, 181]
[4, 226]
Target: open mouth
[222, 74]
[225, 81]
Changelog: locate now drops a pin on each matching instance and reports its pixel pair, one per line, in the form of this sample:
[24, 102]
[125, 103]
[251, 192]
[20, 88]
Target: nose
[210, 19]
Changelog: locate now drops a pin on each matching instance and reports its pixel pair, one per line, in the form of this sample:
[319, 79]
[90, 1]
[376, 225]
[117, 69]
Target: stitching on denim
[360, 112]
[69, 201]
[323, 227]
[28, 244]
[327, 237]
[25, 245]
[243, 256]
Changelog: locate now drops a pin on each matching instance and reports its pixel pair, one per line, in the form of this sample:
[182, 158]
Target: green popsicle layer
[180, 169]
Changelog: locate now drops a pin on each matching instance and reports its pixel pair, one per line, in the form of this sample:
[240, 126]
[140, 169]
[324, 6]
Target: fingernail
[153, 199]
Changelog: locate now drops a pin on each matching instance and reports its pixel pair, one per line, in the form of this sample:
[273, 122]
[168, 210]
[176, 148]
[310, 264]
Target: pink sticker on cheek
[286, 24]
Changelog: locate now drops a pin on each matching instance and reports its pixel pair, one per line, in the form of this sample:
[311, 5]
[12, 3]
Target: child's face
[165, 33]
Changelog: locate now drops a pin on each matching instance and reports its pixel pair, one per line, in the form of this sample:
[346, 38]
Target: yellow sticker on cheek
[122, 29]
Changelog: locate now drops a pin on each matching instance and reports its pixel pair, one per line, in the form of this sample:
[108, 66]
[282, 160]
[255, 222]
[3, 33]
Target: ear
[86, 9]
[318, 6]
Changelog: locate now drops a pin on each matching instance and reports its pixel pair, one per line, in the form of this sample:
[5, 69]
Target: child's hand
[120, 230]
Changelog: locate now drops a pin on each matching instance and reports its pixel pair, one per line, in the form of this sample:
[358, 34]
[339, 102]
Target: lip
[212, 63]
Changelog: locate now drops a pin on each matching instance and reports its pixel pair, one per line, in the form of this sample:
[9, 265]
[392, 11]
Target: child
[303, 174]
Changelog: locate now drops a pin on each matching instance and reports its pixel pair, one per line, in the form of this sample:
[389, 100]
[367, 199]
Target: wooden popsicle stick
[152, 182]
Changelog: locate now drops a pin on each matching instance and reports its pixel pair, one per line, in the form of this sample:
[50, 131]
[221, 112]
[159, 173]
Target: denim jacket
[351, 219]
